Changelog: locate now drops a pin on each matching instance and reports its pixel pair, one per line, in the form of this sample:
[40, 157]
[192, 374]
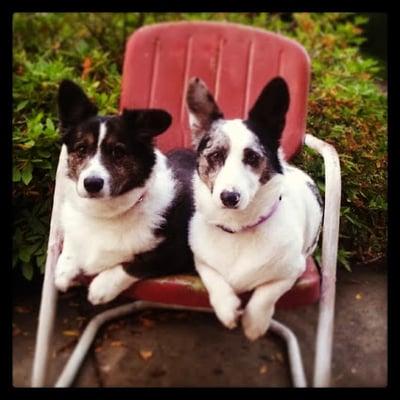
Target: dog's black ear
[203, 110]
[146, 123]
[73, 105]
[269, 111]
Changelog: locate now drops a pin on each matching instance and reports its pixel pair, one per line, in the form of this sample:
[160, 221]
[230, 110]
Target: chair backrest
[235, 61]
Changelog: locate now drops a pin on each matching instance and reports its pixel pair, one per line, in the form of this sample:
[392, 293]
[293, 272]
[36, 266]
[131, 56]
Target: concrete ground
[163, 348]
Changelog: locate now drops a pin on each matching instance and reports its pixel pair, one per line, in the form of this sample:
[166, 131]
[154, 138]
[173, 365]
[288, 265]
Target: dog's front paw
[102, 289]
[256, 323]
[108, 285]
[65, 274]
[227, 309]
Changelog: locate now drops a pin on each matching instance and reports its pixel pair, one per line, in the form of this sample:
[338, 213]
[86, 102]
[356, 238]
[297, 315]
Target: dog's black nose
[230, 199]
[93, 184]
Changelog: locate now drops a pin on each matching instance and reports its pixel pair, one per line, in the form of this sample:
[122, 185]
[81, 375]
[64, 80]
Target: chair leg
[47, 311]
[74, 363]
[293, 348]
[81, 349]
[78, 355]
[330, 237]
[48, 300]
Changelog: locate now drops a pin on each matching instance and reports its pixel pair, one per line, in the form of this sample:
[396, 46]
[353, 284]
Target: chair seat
[188, 290]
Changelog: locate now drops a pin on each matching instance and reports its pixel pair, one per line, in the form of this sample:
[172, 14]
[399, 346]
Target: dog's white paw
[64, 274]
[256, 323]
[102, 290]
[108, 285]
[227, 309]
[62, 282]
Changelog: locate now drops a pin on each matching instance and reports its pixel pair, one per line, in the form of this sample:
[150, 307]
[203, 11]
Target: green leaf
[21, 105]
[345, 263]
[321, 186]
[44, 153]
[29, 144]
[38, 118]
[46, 165]
[27, 271]
[26, 173]
[50, 125]
[41, 262]
[16, 174]
[24, 254]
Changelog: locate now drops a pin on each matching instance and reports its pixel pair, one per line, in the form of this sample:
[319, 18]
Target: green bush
[47, 49]
[347, 108]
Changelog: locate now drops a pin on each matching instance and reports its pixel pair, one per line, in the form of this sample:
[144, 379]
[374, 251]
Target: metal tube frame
[49, 296]
[330, 239]
[81, 349]
[322, 364]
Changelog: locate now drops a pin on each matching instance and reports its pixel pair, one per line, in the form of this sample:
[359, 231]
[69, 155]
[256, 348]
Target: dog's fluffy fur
[126, 208]
[241, 177]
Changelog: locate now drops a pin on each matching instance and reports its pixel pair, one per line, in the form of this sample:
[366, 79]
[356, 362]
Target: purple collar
[260, 221]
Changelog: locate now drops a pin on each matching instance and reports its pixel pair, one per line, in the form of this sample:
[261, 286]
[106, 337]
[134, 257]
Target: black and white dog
[256, 218]
[127, 206]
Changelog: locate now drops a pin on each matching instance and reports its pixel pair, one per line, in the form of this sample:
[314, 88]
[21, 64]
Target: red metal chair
[235, 61]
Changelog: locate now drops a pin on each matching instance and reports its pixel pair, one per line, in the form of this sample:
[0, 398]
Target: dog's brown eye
[252, 158]
[81, 150]
[118, 151]
[215, 157]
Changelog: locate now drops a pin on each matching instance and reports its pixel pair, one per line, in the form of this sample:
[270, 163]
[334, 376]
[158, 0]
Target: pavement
[165, 348]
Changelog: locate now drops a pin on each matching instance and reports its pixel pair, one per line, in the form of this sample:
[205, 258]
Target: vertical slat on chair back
[235, 61]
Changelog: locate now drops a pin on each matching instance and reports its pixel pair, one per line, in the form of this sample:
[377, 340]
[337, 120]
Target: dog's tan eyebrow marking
[86, 137]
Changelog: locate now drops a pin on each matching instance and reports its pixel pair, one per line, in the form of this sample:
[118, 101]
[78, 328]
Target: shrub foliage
[347, 108]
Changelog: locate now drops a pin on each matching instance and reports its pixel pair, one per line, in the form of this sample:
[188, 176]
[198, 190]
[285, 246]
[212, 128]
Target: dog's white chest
[247, 260]
[100, 243]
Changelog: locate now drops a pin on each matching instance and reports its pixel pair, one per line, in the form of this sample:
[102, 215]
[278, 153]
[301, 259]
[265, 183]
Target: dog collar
[259, 222]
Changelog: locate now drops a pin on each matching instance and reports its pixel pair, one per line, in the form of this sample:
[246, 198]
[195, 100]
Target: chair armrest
[330, 237]
[49, 292]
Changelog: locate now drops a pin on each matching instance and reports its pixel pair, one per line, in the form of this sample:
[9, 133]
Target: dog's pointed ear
[146, 123]
[268, 114]
[73, 105]
[202, 108]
